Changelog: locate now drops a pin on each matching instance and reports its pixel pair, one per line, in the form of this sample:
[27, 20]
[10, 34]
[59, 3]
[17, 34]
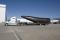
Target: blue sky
[39, 8]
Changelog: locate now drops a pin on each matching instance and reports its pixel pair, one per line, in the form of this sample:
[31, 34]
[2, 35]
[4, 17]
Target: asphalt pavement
[35, 32]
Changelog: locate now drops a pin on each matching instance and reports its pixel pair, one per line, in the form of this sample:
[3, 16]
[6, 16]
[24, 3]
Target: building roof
[56, 18]
[2, 5]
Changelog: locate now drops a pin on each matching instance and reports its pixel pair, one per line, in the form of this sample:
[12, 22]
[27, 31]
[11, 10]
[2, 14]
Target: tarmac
[30, 32]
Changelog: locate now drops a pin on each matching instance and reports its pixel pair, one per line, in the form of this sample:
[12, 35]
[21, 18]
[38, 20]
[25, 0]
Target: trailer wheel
[43, 24]
[6, 24]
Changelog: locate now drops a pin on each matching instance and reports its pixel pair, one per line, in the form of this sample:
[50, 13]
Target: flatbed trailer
[37, 20]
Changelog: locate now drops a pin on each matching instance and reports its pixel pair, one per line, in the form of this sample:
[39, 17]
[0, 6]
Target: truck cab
[12, 21]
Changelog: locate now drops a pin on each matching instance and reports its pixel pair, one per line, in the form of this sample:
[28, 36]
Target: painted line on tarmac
[16, 36]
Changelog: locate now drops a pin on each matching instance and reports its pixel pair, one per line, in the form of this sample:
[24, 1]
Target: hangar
[2, 12]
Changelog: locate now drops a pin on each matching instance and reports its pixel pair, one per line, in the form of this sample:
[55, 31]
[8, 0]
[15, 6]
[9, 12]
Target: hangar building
[2, 12]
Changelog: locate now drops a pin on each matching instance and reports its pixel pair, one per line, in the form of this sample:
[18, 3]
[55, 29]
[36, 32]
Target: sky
[38, 8]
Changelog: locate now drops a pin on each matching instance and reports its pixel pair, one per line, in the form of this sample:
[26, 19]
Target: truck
[12, 21]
